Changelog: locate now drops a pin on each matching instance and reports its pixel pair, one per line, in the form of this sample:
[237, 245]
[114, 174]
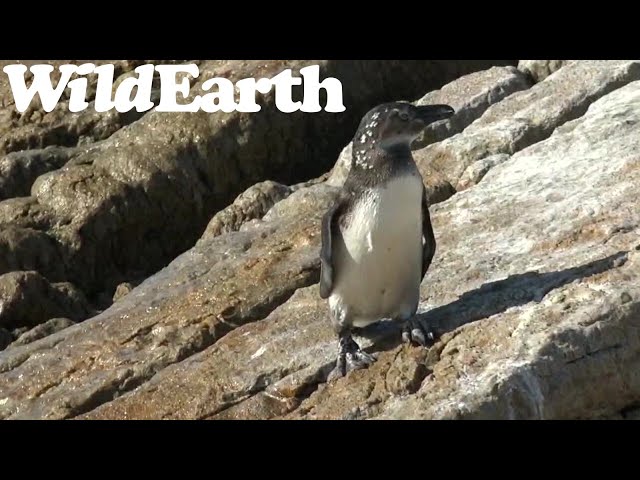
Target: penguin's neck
[376, 166]
[397, 150]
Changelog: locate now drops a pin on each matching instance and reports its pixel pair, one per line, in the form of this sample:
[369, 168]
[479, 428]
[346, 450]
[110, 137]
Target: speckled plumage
[377, 240]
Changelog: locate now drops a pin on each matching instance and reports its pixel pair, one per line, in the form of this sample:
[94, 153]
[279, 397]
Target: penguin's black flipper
[429, 247]
[329, 226]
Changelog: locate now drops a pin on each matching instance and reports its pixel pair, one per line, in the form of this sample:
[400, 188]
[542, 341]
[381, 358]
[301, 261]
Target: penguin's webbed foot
[350, 357]
[415, 332]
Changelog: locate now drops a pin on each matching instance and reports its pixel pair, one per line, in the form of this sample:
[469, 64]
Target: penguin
[377, 238]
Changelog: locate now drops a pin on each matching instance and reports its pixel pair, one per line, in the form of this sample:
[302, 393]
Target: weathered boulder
[475, 172]
[110, 203]
[253, 203]
[538, 70]
[535, 287]
[27, 299]
[529, 116]
[18, 170]
[36, 129]
[470, 95]
[47, 328]
[219, 284]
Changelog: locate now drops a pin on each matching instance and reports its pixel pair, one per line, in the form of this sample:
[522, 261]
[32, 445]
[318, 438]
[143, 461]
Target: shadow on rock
[491, 299]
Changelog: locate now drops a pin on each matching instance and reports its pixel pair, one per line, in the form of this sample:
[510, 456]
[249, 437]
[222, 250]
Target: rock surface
[534, 289]
[47, 328]
[470, 96]
[28, 299]
[253, 203]
[101, 219]
[538, 70]
[527, 117]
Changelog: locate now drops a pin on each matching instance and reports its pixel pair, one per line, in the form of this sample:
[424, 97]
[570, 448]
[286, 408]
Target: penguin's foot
[350, 357]
[416, 333]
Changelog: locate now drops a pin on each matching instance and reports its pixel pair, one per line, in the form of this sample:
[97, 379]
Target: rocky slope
[534, 287]
[102, 187]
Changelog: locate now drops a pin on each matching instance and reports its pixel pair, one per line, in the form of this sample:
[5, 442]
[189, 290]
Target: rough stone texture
[27, 299]
[36, 129]
[221, 283]
[538, 70]
[18, 170]
[251, 204]
[478, 169]
[470, 95]
[25, 212]
[121, 290]
[108, 206]
[47, 328]
[527, 117]
[535, 288]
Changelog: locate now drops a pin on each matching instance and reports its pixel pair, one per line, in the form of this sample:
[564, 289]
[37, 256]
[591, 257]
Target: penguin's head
[398, 124]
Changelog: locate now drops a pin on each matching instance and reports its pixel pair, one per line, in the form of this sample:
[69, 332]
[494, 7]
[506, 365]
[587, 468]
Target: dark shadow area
[491, 299]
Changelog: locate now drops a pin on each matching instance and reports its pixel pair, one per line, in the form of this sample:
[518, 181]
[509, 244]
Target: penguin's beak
[432, 113]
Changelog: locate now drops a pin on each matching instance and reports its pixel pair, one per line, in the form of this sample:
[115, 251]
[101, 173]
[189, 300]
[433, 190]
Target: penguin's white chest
[380, 257]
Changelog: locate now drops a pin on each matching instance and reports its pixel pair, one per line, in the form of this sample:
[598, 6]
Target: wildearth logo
[222, 99]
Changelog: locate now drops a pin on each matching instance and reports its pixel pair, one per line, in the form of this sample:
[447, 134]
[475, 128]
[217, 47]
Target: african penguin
[377, 239]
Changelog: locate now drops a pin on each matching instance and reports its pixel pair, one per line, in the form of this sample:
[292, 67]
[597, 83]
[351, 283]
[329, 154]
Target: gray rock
[223, 282]
[108, 206]
[27, 299]
[478, 169]
[25, 212]
[121, 290]
[47, 328]
[31, 249]
[470, 95]
[530, 116]
[251, 204]
[527, 289]
[19, 170]
[538, 70]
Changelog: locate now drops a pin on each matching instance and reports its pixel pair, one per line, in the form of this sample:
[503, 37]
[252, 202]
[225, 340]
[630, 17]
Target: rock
[251, 204]
[223, 282]
[36, 129]
[25, 212]
[30, 249]
[19, 170]
[47, 328]
[470, 95]
[5, 338]
[529, 116]
[121, 290]
[478, 169]
[27, 299]
[109, 205]
[538, 70]
[535, 288]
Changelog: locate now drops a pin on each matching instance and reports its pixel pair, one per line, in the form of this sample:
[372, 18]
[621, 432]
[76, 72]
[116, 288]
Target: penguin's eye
[404, 116]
